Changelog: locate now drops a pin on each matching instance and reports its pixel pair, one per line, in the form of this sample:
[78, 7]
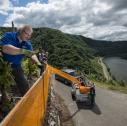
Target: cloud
[117, 4]
[4, 4]
[3, 13]
[96, 19]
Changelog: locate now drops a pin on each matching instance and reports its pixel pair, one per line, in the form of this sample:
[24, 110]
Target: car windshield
[72, 73]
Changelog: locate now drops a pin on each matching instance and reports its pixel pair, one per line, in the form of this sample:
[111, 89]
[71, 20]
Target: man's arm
[10, 49]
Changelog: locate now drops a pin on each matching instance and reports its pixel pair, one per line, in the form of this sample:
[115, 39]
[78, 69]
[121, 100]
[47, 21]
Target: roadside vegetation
[112, 85]
[6, 81]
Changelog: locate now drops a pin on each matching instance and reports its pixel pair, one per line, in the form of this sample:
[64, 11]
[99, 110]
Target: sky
[96, 19]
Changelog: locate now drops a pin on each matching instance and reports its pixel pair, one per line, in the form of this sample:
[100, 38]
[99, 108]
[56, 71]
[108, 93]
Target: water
[118, 67]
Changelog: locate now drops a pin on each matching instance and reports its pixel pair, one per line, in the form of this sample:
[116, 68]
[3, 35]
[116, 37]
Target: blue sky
[24, 2]
[19, 3]
[97, 19]
[2, 19]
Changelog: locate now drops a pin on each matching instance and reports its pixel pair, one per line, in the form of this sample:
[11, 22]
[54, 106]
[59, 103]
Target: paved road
[105, 71]
[110, 108]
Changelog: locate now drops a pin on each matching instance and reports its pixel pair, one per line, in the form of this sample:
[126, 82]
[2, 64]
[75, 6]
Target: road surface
[110, 108]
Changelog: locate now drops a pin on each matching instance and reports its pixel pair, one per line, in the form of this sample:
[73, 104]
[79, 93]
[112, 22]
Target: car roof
[68, 70]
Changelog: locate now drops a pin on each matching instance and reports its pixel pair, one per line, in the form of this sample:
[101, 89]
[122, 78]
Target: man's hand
[27, 52]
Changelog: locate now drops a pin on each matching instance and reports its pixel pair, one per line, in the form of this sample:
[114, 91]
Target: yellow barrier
[30, 110]
[63, 74]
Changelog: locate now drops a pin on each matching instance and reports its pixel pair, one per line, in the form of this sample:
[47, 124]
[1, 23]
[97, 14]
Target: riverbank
[117, 67]
[105, 71]
[110, 84]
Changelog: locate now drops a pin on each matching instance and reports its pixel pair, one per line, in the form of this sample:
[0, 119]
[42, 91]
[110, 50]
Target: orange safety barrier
[63, 74]
[30, 110]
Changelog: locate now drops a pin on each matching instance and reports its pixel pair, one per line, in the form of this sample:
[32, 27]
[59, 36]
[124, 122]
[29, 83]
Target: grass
[109, 85]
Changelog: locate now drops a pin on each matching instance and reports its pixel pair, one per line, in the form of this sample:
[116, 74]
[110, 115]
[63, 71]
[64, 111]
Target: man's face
[25, 35]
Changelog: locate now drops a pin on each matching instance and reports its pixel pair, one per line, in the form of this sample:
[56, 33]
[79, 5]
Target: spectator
[15, 46]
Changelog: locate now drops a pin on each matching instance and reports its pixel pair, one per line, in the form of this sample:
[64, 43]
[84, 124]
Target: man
[15, 46]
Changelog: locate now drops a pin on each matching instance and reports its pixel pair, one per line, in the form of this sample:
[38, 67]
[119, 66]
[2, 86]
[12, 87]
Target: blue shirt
[11, 38]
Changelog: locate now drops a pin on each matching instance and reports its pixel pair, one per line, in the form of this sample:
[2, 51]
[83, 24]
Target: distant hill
[107, 48]
[74, 51]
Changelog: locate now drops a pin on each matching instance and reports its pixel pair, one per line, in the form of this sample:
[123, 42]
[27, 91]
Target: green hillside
[74, 51]
[67, 50]
[108, 48]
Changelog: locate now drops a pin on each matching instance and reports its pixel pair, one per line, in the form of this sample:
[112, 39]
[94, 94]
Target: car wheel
[73, 96]
[65, 82]
[92, 97]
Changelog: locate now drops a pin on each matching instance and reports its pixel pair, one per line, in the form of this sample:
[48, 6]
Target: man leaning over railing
[15, 46]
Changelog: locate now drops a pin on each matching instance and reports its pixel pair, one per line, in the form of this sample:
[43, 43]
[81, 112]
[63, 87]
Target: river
[118, 67]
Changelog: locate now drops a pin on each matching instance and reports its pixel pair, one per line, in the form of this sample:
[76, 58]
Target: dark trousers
[41, 70]
[20, 80]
